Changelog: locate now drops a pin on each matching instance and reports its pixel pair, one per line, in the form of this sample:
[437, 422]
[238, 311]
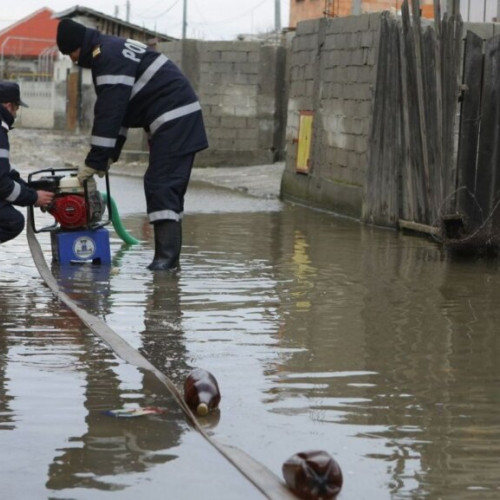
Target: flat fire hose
[262, 478]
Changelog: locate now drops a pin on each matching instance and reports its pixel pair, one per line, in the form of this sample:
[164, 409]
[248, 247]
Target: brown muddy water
[322, 333]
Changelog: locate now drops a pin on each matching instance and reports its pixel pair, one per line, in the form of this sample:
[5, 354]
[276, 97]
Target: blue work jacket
[138, 87]
[13, 189]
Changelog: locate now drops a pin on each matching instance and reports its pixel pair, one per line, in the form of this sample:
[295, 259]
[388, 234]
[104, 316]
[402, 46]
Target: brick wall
[333, 75]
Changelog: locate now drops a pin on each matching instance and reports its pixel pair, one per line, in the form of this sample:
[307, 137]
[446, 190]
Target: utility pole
[498, 10]
[356, 7]
[453, 7]
[127, 7]
[184, 19]
[277, 15]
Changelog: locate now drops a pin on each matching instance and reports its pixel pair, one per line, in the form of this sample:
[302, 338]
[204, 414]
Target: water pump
[78, 233]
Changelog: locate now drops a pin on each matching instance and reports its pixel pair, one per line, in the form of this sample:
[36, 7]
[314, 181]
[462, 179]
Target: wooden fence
[434, 151]
[412, 154]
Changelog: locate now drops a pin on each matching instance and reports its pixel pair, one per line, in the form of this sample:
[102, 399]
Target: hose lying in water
[261, 477]
[117, 222]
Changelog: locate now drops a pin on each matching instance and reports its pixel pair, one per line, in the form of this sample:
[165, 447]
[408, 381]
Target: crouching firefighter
[138, 87]
[13, 189]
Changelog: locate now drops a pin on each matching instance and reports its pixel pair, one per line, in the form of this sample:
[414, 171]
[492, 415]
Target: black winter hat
[70, 35]
[9, 92]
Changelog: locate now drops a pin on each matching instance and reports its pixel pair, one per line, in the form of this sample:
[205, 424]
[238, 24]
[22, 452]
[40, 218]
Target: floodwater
[322, 333]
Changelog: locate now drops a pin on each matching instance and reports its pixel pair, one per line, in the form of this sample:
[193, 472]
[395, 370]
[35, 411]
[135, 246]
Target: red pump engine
[70, 211]
[71, 208]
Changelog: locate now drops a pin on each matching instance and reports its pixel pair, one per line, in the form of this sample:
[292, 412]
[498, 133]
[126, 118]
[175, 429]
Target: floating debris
[313, 475]
[134, 412]
[201, 391]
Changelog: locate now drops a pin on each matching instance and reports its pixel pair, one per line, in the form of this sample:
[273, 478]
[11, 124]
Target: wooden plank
[381, 204]
[413, 136]
[489, 140]
[439, 85]
[394, 139]
[452, 43]
[408, 209]
[469, 128]
[417, 31]
[418, 227]
[432, 120]
[375, 160]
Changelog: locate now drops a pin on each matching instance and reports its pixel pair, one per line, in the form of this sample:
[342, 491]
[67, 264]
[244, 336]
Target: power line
[160, 14]
[239, 16]
[205, 24]
[234, 18]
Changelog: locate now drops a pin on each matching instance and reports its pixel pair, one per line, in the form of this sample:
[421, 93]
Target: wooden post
[469, 131]
[453, 7]
[417, 33]
[356, 7]
[439, 95]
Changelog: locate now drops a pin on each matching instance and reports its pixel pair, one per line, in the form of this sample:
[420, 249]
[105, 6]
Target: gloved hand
[85, 173]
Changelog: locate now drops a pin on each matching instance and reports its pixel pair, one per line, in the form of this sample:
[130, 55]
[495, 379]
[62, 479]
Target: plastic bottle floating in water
[201, 391]
[313, 475]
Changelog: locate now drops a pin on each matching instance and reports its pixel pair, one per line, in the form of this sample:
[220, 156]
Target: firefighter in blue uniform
[13, 189]
[139, 87]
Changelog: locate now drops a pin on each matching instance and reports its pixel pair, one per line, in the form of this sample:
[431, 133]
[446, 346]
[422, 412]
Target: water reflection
[110, 447]
[163, 342]
[113, 447]
[7, 420]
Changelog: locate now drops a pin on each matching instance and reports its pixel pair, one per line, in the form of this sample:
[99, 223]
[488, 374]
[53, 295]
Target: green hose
[117, 223]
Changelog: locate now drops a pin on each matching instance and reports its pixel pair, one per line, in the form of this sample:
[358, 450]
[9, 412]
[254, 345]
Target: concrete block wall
[242, 89]
[333, 69]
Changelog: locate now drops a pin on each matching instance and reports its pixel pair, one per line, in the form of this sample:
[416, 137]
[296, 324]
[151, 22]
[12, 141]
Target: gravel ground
[34, 149]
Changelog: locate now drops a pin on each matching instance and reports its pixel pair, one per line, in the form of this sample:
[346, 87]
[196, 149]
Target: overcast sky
[478, 10]
[209, 20]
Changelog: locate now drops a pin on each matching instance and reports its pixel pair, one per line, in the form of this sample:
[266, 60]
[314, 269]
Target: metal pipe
[184, 19]
[277, 15]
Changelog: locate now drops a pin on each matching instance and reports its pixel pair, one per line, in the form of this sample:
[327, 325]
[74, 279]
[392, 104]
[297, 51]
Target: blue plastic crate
[81, 246]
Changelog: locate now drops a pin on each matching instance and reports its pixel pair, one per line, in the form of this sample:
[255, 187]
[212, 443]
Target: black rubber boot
[168, 241]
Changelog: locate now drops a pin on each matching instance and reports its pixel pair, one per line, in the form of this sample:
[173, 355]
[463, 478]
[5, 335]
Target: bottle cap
[202, 409]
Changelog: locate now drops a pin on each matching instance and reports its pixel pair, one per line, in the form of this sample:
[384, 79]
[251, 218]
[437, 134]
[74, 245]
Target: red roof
[30, 36]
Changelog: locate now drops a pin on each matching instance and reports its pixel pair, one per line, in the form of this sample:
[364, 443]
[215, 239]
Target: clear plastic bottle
[201, 391]
[313, 475]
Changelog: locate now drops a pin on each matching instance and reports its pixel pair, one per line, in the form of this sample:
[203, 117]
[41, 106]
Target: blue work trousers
[166, 181]
[11, 223]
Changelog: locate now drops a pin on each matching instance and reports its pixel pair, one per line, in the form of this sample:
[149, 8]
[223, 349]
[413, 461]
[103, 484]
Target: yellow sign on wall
[304, 142]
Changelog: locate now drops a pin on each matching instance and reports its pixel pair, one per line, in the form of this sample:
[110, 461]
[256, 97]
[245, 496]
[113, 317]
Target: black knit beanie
[70, 35]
